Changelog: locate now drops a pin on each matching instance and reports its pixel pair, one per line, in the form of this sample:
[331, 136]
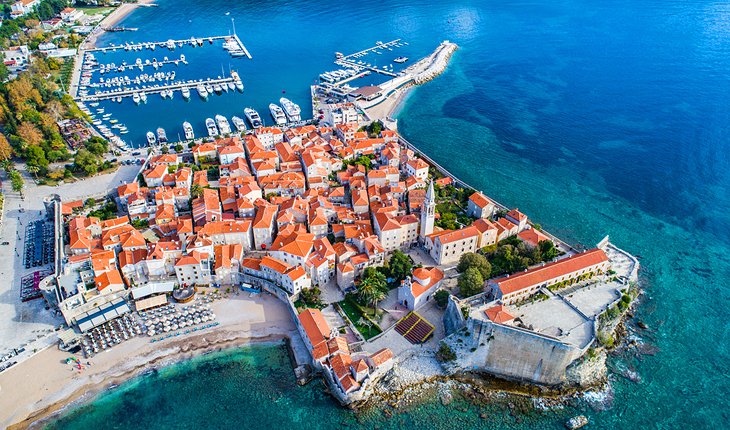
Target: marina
[350, 61]
[109, 75]
[129, 92]
[234, 44]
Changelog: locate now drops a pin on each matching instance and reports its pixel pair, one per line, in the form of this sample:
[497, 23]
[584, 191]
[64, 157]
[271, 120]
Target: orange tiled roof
[537, 275]
[430, 276]
[381, 357]
[480, 200]
[499, 314]
[314, 325]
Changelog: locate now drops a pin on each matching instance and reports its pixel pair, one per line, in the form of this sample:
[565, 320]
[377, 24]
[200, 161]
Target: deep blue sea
[592, 117]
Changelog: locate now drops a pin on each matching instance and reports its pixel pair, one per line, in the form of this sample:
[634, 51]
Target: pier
[193, 41]
[153, 89]
[348, 60]
[107, 68]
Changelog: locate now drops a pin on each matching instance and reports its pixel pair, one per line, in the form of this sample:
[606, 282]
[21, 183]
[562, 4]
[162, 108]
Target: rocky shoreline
[416, 380]
[401, 389]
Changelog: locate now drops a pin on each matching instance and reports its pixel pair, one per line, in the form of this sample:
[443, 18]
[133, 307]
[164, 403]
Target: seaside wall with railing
[462, 184]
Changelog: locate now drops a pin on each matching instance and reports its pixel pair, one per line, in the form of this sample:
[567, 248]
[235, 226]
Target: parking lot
[21, 322]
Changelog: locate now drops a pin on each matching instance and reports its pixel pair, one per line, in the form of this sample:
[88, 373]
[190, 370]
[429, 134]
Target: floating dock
[153, 89]
[178, 43]
[348, 60]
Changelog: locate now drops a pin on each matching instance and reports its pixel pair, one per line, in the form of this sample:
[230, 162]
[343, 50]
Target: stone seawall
[507, 352]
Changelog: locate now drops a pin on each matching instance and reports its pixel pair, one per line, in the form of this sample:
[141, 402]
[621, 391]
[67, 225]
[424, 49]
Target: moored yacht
[143, 97]
[202, 91]
[151, 138]
[400, 60]
[188, 129]
[239, 123]
[253, 117]
[292, 110]
[223, 126]
[161, 135]
[277, 113]
[212, 129]
[185, 93]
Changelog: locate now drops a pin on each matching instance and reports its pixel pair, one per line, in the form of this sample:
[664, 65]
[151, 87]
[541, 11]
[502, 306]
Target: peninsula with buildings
[337, 234]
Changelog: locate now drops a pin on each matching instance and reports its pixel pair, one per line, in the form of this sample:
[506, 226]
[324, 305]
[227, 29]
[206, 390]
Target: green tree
[33, 169]
[178, 148]
[4, 73]
[472, 259]
[86, 162]
[35, 157]
[369, 292]
[95, 147]
[196, 191]
[445, 353]
[376, 276]
[447, 221]
[470, 282]
[16, 181]
[375, 128]
[400, 265]
[165, 149]
[547, 250]
[441, 297]
[311, 296]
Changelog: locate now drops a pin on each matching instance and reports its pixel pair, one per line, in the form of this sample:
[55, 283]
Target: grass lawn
[354, 313]
[92, 10]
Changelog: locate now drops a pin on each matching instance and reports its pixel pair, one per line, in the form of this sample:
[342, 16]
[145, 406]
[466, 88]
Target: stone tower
[428, 212]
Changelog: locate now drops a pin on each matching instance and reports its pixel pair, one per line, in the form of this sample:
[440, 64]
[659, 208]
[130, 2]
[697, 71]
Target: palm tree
[370, 292]
[33, 169]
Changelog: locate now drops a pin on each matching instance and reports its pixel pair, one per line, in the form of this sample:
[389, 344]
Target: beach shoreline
[49, 386]
[389, 108]
[88, 393]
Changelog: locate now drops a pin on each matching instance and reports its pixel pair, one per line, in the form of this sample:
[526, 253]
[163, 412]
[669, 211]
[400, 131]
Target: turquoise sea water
[592, 117]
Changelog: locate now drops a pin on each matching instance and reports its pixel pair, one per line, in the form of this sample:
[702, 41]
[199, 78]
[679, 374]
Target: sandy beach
[390, 107]
[110, 20]
[90, 42]
[43, 385]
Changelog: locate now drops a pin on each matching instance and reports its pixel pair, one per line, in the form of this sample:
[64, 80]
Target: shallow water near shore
[592, 118]
[254, 387]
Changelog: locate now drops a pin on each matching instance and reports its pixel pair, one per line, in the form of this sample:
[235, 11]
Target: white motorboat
[202, 91]
[188, 129]
[151, 138]
[185, 93]
[253, 117]
[291, 109]
[277, 113]
[212, 129]
[223, 126]
[161, 135]
[239, 123]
